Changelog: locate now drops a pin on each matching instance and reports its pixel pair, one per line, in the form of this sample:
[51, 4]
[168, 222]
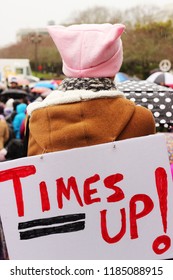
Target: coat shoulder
[142, 123]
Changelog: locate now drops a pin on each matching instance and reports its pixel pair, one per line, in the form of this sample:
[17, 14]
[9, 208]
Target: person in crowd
[87, 109]
[10, 117]
[22, 129]
[14, 83]
[8, 108]
[10, 114]
[19, 117]
[4, 134]
[14, 149]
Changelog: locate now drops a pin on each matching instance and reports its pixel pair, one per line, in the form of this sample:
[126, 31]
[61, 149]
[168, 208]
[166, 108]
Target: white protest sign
[109, 201]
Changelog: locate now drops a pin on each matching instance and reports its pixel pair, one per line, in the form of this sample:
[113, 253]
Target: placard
[109, 201]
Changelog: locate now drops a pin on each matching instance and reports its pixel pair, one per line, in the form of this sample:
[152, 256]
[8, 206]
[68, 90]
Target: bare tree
[97, 15]
[147, 39]
[140, 15]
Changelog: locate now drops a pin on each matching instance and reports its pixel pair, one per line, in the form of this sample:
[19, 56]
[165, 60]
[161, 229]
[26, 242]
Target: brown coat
[82, 118]
[4, 133]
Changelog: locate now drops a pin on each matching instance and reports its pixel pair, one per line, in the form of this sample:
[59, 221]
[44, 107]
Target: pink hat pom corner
[120, 29]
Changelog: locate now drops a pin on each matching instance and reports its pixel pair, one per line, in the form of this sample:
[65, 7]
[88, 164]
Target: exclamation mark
[162, 243]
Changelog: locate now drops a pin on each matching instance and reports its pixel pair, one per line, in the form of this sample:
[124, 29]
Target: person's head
[14, 149]
[13, 82]
[89, 50]
[21, 108]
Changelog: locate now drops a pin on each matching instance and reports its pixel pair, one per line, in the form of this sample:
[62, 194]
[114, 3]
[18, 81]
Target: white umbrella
[161, 78]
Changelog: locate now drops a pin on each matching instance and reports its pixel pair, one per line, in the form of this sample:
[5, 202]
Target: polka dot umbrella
[158, 99]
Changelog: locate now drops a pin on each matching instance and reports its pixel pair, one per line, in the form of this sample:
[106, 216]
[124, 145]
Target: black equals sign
[70, 223]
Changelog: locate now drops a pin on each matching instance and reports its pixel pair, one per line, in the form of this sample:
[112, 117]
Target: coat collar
[57, 97]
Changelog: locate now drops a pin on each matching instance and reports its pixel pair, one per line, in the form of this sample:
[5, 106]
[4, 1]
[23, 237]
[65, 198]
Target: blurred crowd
[12, 121]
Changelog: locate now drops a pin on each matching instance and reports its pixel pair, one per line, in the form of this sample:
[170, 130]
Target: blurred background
[148, 38]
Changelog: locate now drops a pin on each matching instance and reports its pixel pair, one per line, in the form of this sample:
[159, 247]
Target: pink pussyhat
[89, 50]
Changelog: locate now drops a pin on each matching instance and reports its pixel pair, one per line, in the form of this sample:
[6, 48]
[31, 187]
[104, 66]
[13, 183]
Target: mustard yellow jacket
[78, 118]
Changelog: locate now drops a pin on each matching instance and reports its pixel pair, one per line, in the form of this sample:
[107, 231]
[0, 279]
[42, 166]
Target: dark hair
[14, 149]
[15, 103]
[1, 109]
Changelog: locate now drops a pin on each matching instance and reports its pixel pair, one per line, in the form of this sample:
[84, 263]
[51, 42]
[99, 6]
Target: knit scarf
[94, 84]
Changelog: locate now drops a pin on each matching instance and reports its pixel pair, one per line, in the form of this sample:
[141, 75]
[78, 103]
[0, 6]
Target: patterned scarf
[94, 84]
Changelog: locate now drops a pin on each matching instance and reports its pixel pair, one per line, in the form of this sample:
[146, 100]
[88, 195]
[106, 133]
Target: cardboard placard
[109, 201]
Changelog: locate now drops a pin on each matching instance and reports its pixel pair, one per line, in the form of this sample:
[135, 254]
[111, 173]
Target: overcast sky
[17, 14]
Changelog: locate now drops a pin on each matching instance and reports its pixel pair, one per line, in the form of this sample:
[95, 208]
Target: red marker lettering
[88, 192]
[104, 230]
[15, 174]
[134, 216]
[162, 243]
[110, 182]
[44, 197]
[63, 190]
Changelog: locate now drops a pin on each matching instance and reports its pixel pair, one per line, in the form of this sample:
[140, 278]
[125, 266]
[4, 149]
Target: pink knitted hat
[89, 50]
